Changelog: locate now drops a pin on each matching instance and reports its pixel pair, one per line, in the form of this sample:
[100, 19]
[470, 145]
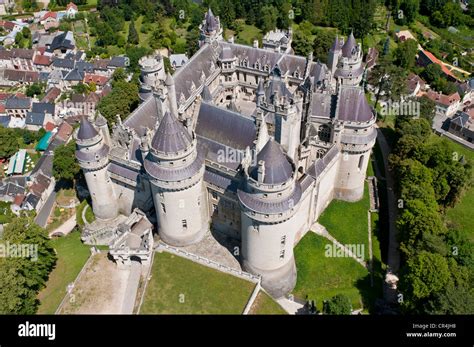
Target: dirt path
[100, 290]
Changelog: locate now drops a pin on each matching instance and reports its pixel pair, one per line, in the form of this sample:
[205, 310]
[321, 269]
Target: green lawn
[347, 221]
[180, 286]
[321, 277]
[461, 216]
[248, 34]
[89, 213]
[264, 304]
[72, 255]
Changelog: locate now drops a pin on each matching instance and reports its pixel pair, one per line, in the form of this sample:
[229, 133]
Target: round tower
[355, 133]
[152, 70]
[176, 170]
[269, 220]
[92, 154]
[349, 70]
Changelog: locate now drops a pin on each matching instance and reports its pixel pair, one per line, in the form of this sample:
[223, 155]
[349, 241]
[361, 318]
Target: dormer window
[266, 68]
[257, 66]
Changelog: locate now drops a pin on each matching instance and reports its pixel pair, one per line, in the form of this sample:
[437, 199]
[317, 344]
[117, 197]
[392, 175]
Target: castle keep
[249, 142]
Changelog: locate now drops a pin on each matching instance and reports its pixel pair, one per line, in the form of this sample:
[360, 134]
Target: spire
[171, 136]
[211, 22]
[336, 45]
[277, 168]
[262, 137]
[169, 80]
[349, 46]
[86, 130]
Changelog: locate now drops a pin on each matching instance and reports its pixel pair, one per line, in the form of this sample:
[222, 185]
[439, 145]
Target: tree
[405, 54]
[424, 274]
[301, 44]
[21, 278]
[321, 45]
[132, 34]
[337, 305]
[34, 89]
[8, 142]
[268, 19]
[122, 100]
[65, 166]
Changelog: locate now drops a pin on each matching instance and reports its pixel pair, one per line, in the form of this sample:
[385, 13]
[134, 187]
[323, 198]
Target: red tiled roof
[64, 131]
[4, 96]
[49, 15]
[18, 199]
[71, 4]
[97, 79]
[435, 60]
[2, 108]
[49, 126]
[42, 60]
[7, 24]
[51, 95]
[443, 99]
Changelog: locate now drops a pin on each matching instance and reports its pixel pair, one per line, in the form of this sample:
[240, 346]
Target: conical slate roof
[336, 45]
[277, 167]
[211, 22]
[171, 136]
[349, 46]
[86, 130]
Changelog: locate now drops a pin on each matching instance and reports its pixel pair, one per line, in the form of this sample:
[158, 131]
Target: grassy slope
[320, 277]
[264, 304]
[204, 290]
[347, 221]
[72, 255]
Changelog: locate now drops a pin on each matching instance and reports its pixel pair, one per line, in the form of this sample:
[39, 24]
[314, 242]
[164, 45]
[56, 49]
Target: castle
[249, 142]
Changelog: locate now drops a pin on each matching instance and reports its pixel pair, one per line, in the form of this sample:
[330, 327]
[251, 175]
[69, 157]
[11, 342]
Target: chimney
[261, 171]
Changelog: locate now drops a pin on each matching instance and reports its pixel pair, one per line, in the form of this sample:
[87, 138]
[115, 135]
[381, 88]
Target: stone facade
[248, 142]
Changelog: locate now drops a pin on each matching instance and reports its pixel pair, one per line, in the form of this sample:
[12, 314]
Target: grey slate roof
[353, 105]
[323, 105]
[86, 130]
[211, 21]
[319, 165]
[74, 75]
[171, 136]
[43, 107]
[277, 167]
[173, 174]
[64, 63]
[118, 62]
[34, 118]
[226, 127]
[61, 41]
[269, 206]
[276, 85]
[349, 45]
[15, 102]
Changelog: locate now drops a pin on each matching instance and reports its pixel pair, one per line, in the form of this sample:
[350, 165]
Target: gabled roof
[277, 167]
[43, 107]
[171, 136]
[74, 75]
[15, 102]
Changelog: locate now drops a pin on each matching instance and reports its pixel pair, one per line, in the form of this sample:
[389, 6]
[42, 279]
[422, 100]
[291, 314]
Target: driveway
[43, 215]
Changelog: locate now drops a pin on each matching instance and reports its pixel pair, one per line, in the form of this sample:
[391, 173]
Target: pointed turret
[262, 137]
[277, 167]
[171, 136]
[336, 46]
[86, 130]
[349, 46]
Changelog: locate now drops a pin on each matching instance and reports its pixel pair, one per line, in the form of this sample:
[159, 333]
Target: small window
[282, 254]
[184, 223]
[361, 162]
[215, 209]
[283, 240]
[163, 208]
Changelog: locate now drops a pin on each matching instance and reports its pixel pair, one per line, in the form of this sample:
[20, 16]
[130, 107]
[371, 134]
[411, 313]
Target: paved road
[132, 288]
[43, 215]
